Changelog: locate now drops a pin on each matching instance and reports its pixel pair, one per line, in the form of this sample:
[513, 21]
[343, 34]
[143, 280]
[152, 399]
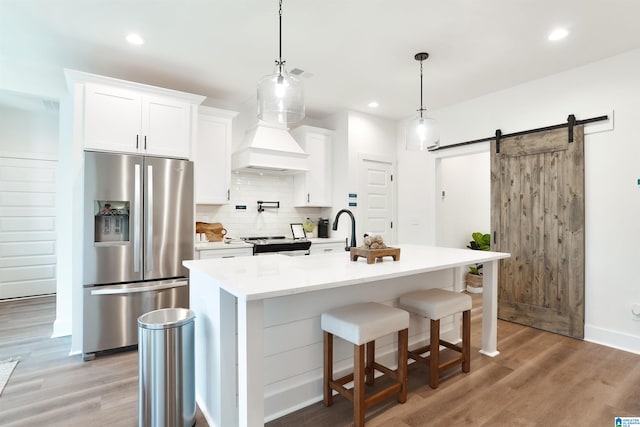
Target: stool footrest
[449, 363]
[389, 372]
[338, 386]
[451, 346]
[416, 354]
[382, 395]
[343, 380]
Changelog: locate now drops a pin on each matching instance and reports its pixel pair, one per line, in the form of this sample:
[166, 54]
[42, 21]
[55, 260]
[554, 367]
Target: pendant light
[422, 133]
[280, 95]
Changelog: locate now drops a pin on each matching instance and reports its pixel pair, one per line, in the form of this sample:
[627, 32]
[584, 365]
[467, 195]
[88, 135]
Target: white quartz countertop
[254, 278]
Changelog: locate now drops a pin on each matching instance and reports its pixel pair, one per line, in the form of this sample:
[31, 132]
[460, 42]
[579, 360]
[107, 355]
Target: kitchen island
[258, 341]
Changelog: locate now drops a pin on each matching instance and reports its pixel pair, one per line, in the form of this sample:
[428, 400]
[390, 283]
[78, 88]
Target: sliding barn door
[537, 214]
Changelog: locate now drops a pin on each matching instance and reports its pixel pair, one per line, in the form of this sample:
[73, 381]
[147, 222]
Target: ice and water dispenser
[111, 221]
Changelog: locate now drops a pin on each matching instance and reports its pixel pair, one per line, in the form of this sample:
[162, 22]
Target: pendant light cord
[421, 108]
[421, 57]
[280, 62]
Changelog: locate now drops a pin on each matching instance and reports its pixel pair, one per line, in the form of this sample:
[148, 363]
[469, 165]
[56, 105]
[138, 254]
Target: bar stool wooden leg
[434, 355]
[358, 385]
[371, 357]
[328, 369]
[403, 341]
[466, 340]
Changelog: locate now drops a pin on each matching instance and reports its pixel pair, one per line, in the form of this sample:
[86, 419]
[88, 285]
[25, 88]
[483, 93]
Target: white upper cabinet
[166, 127]
[112, 118]
[313, 188]
[129, 117]
[213, 156]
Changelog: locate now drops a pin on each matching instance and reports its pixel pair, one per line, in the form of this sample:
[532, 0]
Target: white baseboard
[614, 339]
[61, 328]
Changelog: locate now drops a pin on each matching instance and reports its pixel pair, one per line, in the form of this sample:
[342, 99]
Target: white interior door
[377, 198]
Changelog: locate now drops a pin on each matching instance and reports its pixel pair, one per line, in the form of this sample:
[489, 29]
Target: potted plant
[480, 242]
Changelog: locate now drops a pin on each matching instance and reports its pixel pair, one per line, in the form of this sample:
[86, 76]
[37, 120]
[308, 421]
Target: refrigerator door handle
[106, 290]
[148, 249]
[136, 219]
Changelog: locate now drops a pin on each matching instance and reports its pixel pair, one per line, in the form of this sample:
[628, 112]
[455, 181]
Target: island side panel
[215, 379]
[228, 358]
[293, 337]
[250, 363]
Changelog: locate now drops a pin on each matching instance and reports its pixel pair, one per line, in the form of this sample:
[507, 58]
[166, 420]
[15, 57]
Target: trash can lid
[166, 318]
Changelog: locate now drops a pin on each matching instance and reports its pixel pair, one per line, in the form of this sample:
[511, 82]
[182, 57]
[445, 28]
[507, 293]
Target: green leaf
[480, 242]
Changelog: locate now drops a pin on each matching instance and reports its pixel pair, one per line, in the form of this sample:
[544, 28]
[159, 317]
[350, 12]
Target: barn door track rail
[571, 122]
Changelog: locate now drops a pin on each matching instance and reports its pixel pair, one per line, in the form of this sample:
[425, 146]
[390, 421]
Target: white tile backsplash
[247, 189]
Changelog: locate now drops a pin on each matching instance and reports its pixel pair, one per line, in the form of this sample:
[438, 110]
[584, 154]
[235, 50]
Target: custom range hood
[269, 149]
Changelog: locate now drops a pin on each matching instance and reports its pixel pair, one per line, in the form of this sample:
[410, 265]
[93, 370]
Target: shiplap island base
[258, 343]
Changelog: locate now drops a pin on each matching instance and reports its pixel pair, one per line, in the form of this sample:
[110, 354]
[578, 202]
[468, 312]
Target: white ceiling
[356, 50]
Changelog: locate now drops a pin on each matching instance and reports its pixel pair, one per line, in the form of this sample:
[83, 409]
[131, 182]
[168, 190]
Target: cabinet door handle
[308, 197]
[145, 143]
[228, 194]
[137, 137]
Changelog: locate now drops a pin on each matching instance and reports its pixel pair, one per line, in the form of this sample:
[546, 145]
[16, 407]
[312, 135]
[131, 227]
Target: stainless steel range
[278, 244]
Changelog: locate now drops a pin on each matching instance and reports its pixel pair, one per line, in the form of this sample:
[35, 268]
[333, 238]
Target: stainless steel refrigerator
[138, 228]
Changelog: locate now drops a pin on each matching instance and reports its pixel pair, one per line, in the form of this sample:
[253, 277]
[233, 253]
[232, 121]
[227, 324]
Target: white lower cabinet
[225, 253]
[326, 248]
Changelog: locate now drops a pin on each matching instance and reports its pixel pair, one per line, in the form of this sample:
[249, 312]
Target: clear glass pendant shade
[422, 133]
[280, 98]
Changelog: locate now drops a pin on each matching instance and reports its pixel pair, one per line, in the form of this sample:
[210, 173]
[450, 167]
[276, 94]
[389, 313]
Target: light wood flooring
[51, 388]
[539, 379]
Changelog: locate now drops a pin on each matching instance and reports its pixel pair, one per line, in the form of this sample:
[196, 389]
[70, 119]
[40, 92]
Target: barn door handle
[495, 241]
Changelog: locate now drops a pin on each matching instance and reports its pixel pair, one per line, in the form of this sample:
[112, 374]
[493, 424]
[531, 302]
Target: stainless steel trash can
[166, 368]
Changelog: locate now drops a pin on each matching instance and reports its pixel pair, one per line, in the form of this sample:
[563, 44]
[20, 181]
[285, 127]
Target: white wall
[357, 136]
[611, 173]
[465, 206]
[29, 133]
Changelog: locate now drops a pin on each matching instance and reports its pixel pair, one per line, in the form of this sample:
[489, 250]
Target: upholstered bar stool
[435, 304]
[361, 324]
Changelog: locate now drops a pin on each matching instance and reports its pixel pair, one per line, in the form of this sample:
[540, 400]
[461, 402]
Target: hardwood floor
[539, 379]
[51, 388]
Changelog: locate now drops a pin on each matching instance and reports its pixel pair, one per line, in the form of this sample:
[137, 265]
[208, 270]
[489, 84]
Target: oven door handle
[121, 291]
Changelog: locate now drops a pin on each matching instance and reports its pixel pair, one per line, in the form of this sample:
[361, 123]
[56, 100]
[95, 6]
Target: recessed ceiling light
[134, 38]
[373, 104]
[558, 34]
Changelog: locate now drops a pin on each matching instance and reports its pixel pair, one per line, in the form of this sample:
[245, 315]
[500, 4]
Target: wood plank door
[537, 215]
